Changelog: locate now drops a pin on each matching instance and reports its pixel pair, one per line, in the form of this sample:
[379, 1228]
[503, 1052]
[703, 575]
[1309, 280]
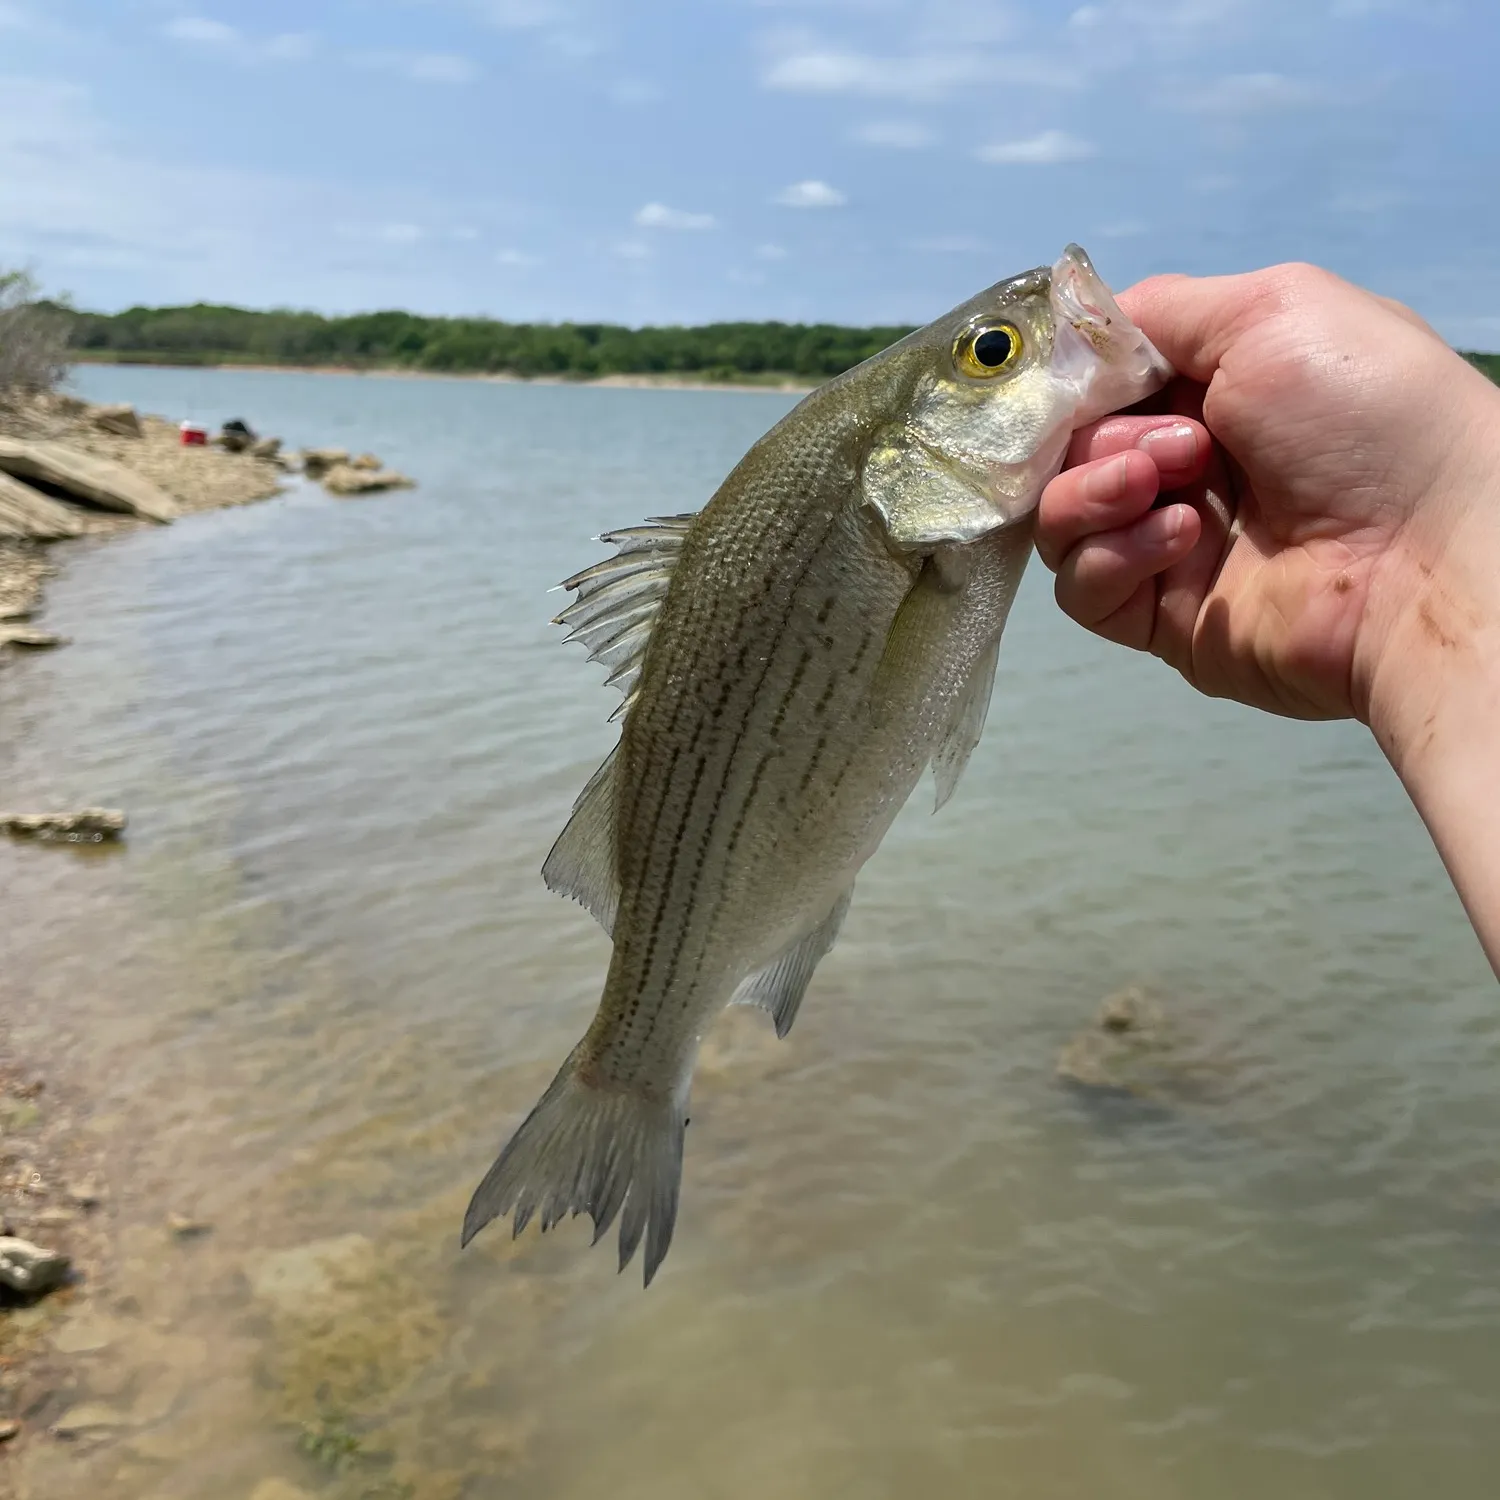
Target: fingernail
[1106, 482]
[1161, 526]
[1171, 449]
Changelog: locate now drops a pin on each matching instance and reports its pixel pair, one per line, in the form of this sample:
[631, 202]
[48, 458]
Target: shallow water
[323, 979]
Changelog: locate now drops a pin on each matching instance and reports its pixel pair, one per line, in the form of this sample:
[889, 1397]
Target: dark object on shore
[29, 1270]
[236, 436]
[93, 825]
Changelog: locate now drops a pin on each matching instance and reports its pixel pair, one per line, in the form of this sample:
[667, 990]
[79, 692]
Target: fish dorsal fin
[582, 863]
[780, 986]
[966, 724]
[617, 599]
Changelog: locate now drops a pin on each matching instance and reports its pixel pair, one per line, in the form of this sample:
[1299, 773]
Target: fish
[791, 659]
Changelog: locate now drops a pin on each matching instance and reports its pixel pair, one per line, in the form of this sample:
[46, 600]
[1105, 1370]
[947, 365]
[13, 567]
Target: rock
[299, 1277]
[8, 1430]
[1129, 1010]
[32, 640]
[86, 1334]
[344, 479]
[93, 825]
[266, 448]
[318, 461]
[366, 461]
[27, 512]
[278, 1489]
[51, 1218]
[118, 418]
[84, 1194]
[90, 1417]
[188, 1229]
[29, 1269]
[1133, 1051]
[86, 477]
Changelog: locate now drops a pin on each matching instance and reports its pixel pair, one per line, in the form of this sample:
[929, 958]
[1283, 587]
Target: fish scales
[793, 658]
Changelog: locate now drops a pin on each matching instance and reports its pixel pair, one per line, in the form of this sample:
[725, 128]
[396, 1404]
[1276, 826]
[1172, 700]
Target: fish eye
[987, 350]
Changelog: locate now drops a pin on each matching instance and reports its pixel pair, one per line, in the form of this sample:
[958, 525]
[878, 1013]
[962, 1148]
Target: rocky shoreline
[69, 470]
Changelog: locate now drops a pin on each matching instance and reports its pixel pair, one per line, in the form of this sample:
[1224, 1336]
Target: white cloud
[516, 259]
[918, 76]
[634, 91]
[202, 32]
[289, 46]
[1252, 93]
[811, 194]
[1046, 149]
[659, 216]
[769, 252]
[422, 67]
[903, 135]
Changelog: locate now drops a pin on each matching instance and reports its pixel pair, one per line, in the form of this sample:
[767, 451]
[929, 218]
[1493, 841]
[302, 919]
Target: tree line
[208, 334]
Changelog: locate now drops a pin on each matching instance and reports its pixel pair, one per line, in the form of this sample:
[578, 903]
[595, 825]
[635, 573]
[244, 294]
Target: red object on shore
[193, 437]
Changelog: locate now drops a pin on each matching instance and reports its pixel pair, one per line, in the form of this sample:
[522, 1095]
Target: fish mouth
[1096, 347]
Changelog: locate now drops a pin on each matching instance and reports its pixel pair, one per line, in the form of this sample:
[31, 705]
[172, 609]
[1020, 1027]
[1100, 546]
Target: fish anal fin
[583, 863]
[781, 984]
[966, 726]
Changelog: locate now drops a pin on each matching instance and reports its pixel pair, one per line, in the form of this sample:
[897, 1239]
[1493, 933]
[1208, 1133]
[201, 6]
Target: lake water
[323, 980]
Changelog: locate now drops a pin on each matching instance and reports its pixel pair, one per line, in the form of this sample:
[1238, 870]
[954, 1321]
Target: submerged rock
[185, 1228]
[93, 825]
[87, 477]
[345, 479]
[30, 1269]
[1132, 1050]
[90, 1417]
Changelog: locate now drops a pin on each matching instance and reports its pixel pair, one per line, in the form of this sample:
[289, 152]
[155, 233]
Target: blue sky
[661, 160]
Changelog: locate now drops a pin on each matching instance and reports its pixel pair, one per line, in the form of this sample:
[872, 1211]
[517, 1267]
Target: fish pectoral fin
[583, 863]
[618, 599]
[966, 726]
[781, 984]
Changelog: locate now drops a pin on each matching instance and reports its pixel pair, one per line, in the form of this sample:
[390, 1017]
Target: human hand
[1331, 531]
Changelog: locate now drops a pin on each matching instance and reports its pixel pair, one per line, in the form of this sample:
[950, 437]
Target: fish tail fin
[596, 1149]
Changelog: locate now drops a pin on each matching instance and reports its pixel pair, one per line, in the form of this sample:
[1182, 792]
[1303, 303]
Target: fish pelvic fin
[781, 984]
[966, 726]
[584, 863]
[599, 1149]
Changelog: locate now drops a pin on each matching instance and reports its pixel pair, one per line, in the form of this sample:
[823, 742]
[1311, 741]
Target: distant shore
[780, 384]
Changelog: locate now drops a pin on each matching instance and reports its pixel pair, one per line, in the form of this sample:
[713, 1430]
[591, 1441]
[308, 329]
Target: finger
[1098, 496]
[1102, 573]
[1178, 449]
[1218, 500]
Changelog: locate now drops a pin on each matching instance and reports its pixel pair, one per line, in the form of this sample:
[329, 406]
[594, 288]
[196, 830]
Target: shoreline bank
[788, 385]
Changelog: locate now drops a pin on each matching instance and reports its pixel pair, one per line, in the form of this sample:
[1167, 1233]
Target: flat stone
[30, 1269]
[186, 1228]
[32, 640]
[345, 479]
[50, 1218]
[293, 1278]
[366, 461]
[91, 1416]
[278, 1489]
[90, 825]
[85, 1334]
[88, 477]
[27, 512]
[118, 418]
[268, 447]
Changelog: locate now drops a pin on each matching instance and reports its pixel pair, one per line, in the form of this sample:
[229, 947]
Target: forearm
[1434, 704]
